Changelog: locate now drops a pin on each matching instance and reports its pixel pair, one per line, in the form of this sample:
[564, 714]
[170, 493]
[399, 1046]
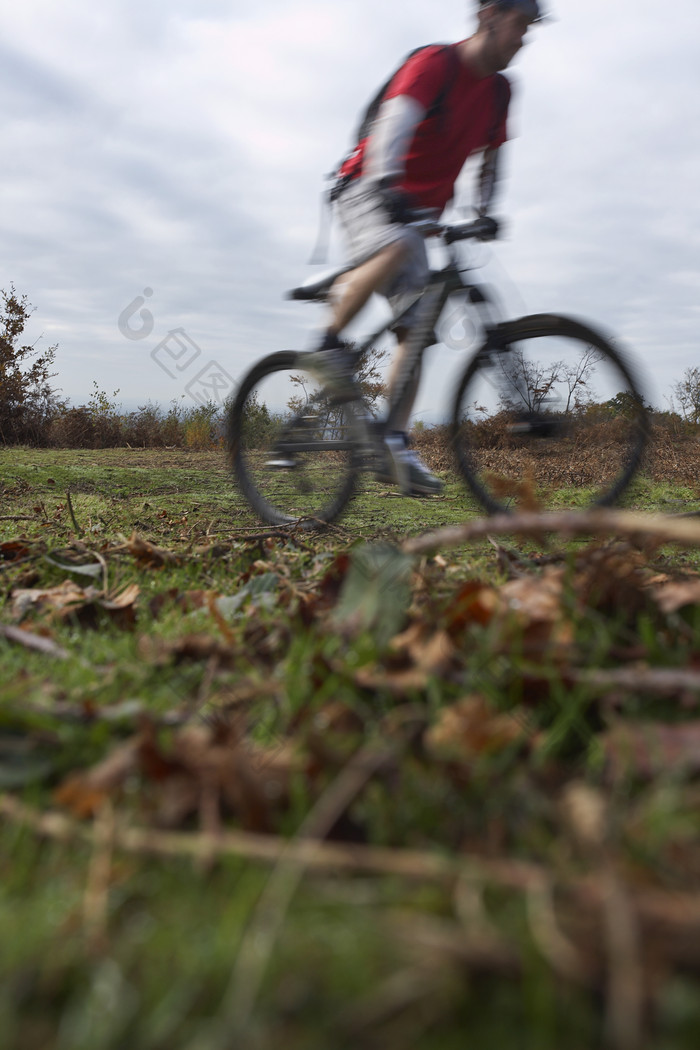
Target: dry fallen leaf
[675, 594]
[146, 553]
[191, 647]
[475, 602]
[613, 579]
[471, 728]
[416, 655]
[69, 599]
[535, 597]
[204, 771]
[13, 550]
[522, 490]
[533, 617]
[84, 793]
[64, 598]
[584, 811]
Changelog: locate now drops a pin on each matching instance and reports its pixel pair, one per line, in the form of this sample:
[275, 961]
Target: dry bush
[107, 432]
[586, 458]
[72, 428]
[145, 427]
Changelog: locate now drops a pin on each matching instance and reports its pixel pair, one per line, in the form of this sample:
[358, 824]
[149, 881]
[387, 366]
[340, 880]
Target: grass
[462, 676]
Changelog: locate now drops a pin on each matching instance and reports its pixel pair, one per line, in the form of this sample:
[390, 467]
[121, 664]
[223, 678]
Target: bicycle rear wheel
[548, 414]
[292, 446]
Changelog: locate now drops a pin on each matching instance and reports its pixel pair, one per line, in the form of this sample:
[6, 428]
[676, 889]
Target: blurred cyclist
[443, 105]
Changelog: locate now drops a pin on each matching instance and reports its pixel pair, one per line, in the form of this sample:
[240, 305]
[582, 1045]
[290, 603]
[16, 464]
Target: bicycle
[529, 418]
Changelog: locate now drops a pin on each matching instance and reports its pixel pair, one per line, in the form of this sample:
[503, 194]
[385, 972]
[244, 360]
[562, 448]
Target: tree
[370, 378]
[527, 385]
[625, 405]
[577, 379]
[256, 425]
[531, 386]
[687, 393]
[27, 400]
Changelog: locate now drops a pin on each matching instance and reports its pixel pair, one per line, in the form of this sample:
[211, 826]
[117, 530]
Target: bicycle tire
[584, 456]
[296, 459]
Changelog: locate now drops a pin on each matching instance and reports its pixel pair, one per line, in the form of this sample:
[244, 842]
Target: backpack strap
[453, 64]
[338, 182]
[452, 58]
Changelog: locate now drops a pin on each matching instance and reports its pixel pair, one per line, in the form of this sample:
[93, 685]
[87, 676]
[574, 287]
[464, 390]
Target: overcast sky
[166, 156]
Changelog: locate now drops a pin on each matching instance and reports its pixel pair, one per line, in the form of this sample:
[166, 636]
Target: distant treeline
[33, 413]
[101, 424]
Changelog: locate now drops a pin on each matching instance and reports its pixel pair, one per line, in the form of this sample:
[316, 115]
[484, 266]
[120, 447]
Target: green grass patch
[489, 741]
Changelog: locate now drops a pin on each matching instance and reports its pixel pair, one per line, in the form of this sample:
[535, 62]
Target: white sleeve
[488, 177]
[391, 137]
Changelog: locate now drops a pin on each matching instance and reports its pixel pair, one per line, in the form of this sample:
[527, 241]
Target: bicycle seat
[317, 288]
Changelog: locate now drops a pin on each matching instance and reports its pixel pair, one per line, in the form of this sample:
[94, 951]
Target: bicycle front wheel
[292, 446]
[548, 414]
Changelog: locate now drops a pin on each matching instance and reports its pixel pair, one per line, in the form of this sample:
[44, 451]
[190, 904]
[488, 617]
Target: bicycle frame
[442, 285]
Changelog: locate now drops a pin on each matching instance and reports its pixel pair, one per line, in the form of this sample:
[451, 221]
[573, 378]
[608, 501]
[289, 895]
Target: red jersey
[471, 118]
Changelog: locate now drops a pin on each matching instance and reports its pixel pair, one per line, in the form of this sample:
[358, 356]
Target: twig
[658, 680]
[585, 811]
[661, 914]
[32, 641]
[625, 991]
[72, 514]
[556, 948]
[680, 532]
[96, 898]
[105, 571]
[314, 855]
[16, 561]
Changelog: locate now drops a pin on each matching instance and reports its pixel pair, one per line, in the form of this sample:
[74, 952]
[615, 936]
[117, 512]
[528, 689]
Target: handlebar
[481, 229]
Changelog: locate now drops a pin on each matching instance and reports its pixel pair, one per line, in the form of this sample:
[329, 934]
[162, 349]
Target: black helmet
[532, 8]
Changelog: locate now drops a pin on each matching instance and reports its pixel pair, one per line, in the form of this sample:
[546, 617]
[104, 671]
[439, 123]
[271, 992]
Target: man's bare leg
[411, 474]
[348, 295]
[352, 290]
[403, 414]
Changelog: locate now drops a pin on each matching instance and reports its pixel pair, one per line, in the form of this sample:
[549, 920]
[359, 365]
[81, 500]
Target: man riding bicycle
[444, 104]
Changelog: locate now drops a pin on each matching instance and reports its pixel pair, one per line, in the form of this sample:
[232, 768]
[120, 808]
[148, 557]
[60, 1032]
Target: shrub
[202, 427]
[72, 428]
[258, 423]
[144, 428]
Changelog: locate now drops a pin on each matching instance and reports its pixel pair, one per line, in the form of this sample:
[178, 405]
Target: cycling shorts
[368, 229]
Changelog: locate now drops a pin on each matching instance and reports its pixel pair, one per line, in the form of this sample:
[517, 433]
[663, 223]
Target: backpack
[370, 113]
